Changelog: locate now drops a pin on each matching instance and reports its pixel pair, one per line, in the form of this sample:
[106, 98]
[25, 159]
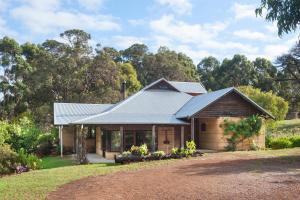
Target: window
[203, 127]
[128, 139]
[113, 140]
[91, 134]
[144, 137]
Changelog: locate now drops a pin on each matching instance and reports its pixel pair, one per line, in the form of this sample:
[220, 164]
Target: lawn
[37, 184]
[54, 162]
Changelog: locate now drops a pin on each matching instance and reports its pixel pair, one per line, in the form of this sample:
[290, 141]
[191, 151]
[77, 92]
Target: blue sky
[198, 28]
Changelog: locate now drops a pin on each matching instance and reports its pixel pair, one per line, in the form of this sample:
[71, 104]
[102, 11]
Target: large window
[113, 140]
[129, 139]
[144, 137]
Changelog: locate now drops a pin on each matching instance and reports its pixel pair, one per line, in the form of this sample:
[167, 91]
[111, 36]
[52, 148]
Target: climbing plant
[241, 130]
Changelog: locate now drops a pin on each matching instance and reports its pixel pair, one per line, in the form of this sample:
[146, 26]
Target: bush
[190, 148]
[139, 150]
[281, 143]
[295, 140]
[29, 160]
[159, 154]
[8, 159]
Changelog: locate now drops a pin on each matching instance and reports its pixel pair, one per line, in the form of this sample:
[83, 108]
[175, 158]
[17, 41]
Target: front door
[166, 139]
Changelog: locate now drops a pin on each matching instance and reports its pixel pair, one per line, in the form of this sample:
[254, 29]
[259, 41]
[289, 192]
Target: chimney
[123, 89]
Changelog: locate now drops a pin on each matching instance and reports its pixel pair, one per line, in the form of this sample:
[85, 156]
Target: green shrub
[280, 143]
[295, 140]
[175, 151]
[8, 159]
[190, 147]
[159, 154]
[29, 160]
[139, 150]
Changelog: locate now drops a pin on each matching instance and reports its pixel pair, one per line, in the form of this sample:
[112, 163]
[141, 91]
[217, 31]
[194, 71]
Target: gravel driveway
[214, 176]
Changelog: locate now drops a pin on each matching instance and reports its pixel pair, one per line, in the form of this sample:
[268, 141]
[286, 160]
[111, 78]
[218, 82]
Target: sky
[198, 28]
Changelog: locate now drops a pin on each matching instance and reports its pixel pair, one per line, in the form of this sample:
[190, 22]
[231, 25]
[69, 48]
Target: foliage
[241, 130]
[276, 105]
[280, 143]
[22, 133]
[8, 159]
[190, 147]
[29, 160]
[286, 13]
[159, 154]
[175, 151]
[139, 150]
[126, 153]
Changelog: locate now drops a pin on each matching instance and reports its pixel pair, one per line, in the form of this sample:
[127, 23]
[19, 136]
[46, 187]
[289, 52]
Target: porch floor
[95, 158]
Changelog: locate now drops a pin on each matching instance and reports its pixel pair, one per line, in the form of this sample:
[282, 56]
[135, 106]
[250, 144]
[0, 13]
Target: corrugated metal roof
[189, 87]
[64, 113]
[159, 103]
[198, 103]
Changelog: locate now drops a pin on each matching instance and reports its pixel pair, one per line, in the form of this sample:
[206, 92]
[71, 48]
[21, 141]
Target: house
[162, 115]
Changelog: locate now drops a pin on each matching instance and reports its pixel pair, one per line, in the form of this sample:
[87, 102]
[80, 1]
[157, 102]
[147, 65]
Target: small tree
[241, 130]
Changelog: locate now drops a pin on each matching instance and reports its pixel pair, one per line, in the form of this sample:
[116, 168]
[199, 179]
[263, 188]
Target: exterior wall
[68, 134]
[230, 105]
[163, 134]
[214, 138]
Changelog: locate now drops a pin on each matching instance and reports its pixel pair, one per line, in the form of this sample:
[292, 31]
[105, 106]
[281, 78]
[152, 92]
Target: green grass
[285, 128]
[37, 184]
[54, 162]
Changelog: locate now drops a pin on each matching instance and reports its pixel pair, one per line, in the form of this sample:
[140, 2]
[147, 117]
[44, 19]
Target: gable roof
[189, 87]
[198, 103]
[149, 106]
[65, 113]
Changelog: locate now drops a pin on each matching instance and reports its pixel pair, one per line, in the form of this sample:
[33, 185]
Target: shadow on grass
[260, 165]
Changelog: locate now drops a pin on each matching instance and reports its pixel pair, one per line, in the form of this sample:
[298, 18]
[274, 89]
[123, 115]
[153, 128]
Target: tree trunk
[81, 145]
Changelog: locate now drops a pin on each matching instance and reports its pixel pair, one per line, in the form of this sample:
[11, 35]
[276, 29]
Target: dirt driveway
[214, 176]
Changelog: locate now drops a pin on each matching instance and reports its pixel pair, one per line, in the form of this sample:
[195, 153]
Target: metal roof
[189, 87]
[65, 113]
[200, 102]
[146, 106]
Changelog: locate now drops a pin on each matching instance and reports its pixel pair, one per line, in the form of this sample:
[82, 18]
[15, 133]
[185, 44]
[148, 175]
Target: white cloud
[178, 6]
[275, 50]
[91, 4]
[184, 32]
[40, 17]
[250, 35]
[126, 41]
[243, 11]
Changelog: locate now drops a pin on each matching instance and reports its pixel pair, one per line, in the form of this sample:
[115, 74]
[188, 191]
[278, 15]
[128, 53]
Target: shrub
[190, 147]
[175, 151]
[295, 140]
[159, 154]
[126, 153]
[29, 160]
[241, 130]
[8, 159]
[281, 143]
[139, 150]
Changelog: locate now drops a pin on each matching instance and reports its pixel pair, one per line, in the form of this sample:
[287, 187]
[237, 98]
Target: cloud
[5, 30]
[136, 22]
[178, 6]
[123, 42]
[48, 16]
[91, 5]
[250, 35]
[275, 50]
[243, 11]
[184, 32]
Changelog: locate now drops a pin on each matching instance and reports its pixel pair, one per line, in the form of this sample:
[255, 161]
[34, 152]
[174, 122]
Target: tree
[265, 75]
[208, 69]
[129, 75]
[168, 64]
[276, 105]
[236, 72]
[285, 12]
